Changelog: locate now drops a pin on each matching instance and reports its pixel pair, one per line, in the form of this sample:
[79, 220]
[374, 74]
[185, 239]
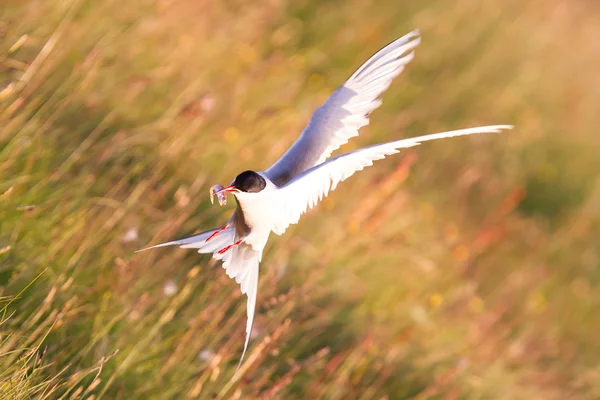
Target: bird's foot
[224, 249]
[211, 237]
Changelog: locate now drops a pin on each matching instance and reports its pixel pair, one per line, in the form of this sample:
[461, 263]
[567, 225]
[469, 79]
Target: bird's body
[256, 214]
[271, 200]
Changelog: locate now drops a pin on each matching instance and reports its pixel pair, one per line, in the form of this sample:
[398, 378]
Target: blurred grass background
[464, 269]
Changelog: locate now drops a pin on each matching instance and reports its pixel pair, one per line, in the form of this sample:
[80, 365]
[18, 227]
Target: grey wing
[346, 110]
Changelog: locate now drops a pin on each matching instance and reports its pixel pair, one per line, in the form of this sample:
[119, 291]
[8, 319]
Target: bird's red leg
[215, 234]
[224, 249]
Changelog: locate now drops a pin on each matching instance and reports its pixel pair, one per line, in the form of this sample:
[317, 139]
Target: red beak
[228, 189]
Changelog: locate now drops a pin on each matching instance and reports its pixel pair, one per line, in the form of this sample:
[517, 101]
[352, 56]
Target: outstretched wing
[310, 187]
[240, 263]
[199, 241]
[346, 111]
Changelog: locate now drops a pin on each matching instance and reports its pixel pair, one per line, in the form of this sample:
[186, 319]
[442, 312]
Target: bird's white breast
[260, 214]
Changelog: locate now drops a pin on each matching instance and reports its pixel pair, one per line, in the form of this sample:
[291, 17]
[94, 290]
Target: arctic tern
[271, 200]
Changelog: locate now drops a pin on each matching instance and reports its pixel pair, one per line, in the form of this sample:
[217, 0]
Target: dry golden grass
[470, 269]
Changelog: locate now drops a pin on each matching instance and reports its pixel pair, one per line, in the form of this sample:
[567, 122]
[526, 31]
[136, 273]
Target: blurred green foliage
[467, 268]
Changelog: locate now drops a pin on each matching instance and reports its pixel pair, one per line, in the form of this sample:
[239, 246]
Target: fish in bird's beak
[221, 193]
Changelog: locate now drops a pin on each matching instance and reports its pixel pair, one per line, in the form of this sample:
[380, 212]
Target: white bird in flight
[271, 200]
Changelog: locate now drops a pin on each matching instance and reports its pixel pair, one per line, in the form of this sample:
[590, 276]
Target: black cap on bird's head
[249, 182]
[246, 182]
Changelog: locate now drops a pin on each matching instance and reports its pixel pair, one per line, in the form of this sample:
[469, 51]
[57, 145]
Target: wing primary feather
[346, 110]
[199, 238]
[308, 188]
[412, 37]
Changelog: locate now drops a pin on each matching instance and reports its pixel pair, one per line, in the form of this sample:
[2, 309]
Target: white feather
[241, 263]
[308, 188]
[346, 110]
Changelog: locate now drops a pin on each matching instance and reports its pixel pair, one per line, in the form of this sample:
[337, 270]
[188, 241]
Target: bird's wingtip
[413, 36]
[155, 246]
[505, 127]
[496, 128]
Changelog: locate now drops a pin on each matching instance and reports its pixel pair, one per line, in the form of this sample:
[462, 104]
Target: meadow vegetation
[462, 269]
